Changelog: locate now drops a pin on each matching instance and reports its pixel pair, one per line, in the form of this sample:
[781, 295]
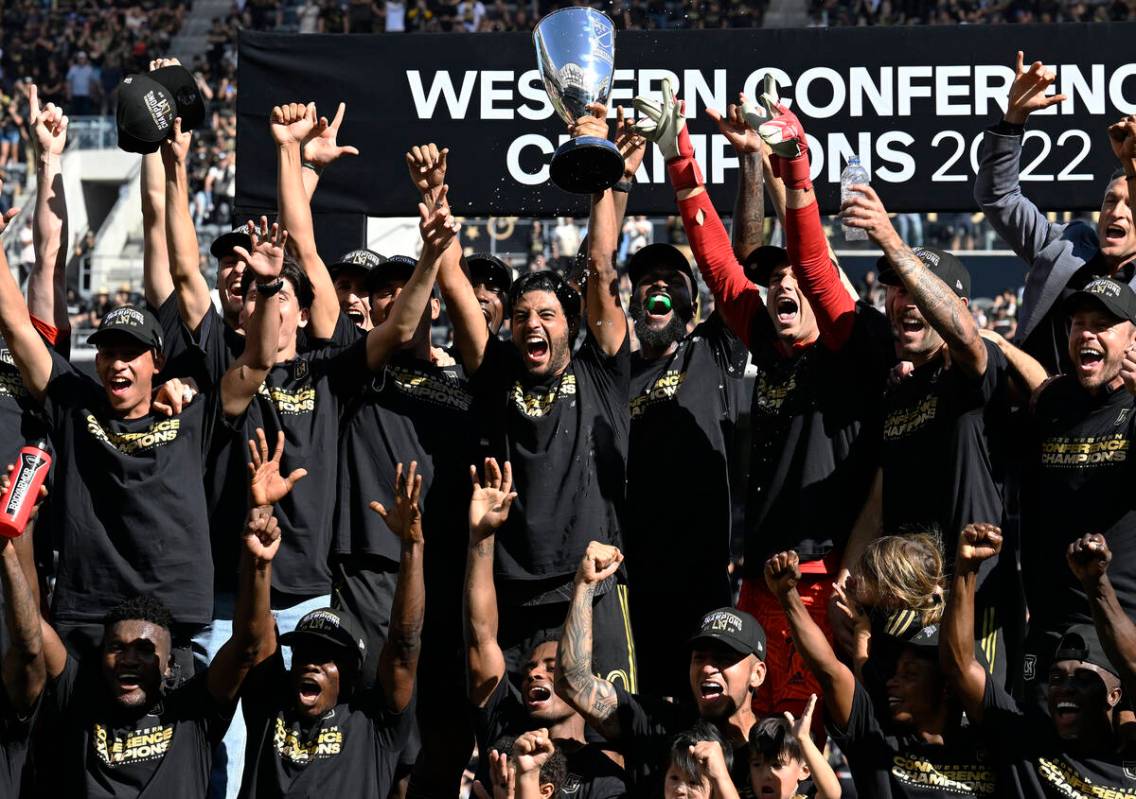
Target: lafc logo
[1029, 668]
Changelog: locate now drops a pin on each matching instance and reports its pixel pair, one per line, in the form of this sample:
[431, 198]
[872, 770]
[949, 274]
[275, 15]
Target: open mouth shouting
[787, 310]
[910, 326]
[1115, 234]
[711, 691]
[536, 350]
[538, 696]
[357, 317]
[1089, 359]
[308, 691]
[658, 306]
[119, 386]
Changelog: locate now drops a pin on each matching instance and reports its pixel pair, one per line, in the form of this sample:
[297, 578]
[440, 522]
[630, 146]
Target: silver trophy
[575, 52]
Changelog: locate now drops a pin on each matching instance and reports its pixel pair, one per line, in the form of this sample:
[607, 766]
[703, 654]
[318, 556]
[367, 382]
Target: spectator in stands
[83, 86]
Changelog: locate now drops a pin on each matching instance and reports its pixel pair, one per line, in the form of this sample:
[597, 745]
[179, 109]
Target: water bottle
[853, 173]
[19, 500]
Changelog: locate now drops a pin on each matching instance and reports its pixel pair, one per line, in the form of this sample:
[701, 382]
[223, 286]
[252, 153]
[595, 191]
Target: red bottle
[19, 500]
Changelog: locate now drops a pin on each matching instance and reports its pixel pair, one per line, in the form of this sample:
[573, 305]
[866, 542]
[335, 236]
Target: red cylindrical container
[19, 500]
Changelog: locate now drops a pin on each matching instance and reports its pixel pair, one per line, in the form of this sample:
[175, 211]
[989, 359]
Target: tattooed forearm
[592, 697]
[748, 225]
[937, 301]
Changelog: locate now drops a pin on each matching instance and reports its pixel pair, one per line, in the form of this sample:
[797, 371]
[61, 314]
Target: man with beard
[502, 709]
[1078, 472]
[822, 362]
[1075, 751]
[130, 722]
[1062, 258]
[726, 666]
[562, 419]
[687, 387]
[954, 402]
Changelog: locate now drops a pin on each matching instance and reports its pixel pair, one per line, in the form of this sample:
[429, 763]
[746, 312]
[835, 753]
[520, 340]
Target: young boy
[700, 765]
[782, 755]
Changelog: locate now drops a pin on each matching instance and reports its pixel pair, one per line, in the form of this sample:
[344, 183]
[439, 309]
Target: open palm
[489, 505]
[267, 485]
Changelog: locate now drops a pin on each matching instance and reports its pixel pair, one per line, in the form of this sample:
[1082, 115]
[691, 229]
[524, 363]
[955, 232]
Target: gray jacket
[1054, 252]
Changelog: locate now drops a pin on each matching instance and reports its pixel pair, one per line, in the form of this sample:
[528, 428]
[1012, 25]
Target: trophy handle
[586, 164]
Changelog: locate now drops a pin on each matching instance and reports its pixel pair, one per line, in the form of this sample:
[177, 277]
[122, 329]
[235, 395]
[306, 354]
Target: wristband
[794, 171]
[1007, 128]
[684, 173]
[269, 288]
[623, 186]
[309, 165]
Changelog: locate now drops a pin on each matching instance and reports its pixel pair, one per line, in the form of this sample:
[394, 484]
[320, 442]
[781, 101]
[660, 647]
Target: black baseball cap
[363, 260]
[666, 255]
[1081, 642]
[942, 264]
[735, 628]
[1115, 297]
[336, 627]
[906, 626]
[396, 267]
[148, 104]
[486, 268]
[761, 262]
[237, 237]
[129, 320]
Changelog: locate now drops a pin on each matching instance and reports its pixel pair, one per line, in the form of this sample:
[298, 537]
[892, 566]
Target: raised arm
[427, 167]
[290, 125]
[965, 675]
[606, 319]
[262, 328]
[47, 284]
[1089, 558]
[254, 629]
[997, 189]
[23, 667]
[813, 266]
[157, 282]
[747, 229]
[1027, 368]
[320, 150]
[592, 697]
[398, 660]
[632, 147]
[820, 772]
[24, 342]
[782, 573]
[940, 306]
[438, 230]
[738, 300]
[181, 236]
[488, 510]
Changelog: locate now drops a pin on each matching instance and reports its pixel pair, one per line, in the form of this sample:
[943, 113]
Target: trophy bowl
[575, 53]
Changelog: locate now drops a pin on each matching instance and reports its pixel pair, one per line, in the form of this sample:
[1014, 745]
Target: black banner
[911, 101]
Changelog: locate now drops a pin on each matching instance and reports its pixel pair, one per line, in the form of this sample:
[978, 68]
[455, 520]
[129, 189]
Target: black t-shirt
[647, 725]
[884, 765]
[567, 439]
[1037, 763]
[165, 754]
[303, 398]
[130, 510]
[683, 411]
[1079, 479]
[815, 443]
[352, 750]
[591, 773]
[945, 449]
[205, 356]
[15, 733]
[1048, 342]
[21, 418]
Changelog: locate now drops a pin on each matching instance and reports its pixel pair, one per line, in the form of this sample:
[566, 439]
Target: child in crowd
[782, 755]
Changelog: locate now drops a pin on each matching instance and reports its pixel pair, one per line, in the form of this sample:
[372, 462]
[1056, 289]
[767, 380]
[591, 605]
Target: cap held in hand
[149, 103]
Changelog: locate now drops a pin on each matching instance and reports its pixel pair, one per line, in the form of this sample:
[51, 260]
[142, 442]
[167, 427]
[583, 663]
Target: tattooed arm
[940, 306]
[593, 698]
[747, 229]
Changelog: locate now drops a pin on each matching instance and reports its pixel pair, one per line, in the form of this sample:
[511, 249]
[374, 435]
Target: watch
[270, 288]
[623, 185]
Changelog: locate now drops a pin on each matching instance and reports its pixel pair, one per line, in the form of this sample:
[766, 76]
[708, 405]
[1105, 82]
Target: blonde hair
[904, 571]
